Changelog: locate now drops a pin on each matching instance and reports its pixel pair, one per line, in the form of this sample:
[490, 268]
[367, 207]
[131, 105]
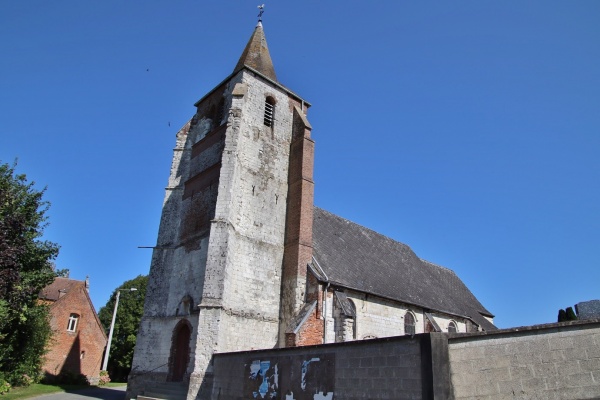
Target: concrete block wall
[555, 361]
[377, 369]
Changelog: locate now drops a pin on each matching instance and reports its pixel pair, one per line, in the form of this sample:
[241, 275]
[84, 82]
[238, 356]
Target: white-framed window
[452, 327]
[409, 323]
[269, 111]
[72, 325]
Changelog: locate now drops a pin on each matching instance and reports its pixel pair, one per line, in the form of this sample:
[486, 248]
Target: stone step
[164, 391]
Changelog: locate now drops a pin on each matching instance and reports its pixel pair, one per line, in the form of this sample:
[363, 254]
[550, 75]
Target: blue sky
[467, 130]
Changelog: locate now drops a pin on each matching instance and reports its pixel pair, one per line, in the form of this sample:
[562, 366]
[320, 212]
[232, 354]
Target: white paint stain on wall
[317, 396]
[305, 365]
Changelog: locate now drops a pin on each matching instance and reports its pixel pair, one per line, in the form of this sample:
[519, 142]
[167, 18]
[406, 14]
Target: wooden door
[180, 352]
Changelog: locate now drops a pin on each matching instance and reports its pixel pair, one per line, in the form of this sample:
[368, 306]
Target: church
[244, 260]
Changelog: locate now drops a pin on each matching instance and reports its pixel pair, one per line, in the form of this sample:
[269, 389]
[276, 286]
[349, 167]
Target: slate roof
[588, 309]
[355, 257]
[256, 55]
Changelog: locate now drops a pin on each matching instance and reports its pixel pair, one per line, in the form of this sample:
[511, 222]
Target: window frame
[454, 324]
[410, 329]
[73, 322]
[269, 115]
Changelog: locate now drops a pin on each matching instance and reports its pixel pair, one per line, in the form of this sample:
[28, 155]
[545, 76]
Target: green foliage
[571, 314]
[4, 386]
[25, 268]
[104, 378]
[63, 273]
[129, 314]
[562, 315]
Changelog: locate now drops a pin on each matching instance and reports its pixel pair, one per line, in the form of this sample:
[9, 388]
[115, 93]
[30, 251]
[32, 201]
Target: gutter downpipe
[324, 300]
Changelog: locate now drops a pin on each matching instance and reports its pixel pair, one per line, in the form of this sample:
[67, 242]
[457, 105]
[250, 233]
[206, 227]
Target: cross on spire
[262, 10]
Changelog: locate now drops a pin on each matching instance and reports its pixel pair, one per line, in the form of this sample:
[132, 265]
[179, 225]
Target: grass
[39, 389]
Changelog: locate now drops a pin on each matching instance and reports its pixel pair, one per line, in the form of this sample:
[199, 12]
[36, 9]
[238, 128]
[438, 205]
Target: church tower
[229, 268]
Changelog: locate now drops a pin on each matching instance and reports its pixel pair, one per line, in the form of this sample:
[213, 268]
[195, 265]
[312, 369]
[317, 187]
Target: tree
[129, 315]
[571, 314]
[562, 315]
[25, 268]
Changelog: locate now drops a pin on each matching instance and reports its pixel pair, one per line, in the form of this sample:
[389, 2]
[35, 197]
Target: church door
[180, 351]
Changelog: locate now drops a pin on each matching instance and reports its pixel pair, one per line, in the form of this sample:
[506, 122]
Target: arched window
[72, 325]
[185, 306]
[212, 113]
[269, 111]
[354, 327]
[409, 323]
[452, 327]
[219, 117]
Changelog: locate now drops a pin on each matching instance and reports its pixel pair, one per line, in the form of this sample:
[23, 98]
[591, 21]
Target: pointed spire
[256, 55]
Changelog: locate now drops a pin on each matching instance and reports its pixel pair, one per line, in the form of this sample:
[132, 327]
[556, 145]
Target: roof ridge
[66, 279]
[437, 265]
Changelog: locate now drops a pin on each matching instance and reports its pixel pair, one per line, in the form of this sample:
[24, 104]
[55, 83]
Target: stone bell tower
[235, 231]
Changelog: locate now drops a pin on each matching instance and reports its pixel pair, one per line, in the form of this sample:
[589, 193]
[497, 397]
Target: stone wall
[377, 318]
[219, 254]
[554, 361]
[383, 368]
[240, 303]
[247, 235]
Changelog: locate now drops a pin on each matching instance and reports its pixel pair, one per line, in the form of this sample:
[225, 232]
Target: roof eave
[342, 285]
[262, 76]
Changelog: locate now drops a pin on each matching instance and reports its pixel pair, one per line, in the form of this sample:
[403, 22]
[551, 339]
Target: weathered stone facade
[220, 250]
[235, 267]
[377, 318]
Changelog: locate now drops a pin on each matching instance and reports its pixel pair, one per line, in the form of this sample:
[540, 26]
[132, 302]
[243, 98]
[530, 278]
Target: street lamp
[112, 325]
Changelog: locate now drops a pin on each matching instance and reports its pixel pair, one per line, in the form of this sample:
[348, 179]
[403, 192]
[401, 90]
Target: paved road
[91, 393]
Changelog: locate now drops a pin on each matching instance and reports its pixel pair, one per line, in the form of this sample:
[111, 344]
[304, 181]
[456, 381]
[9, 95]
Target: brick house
[78, 340]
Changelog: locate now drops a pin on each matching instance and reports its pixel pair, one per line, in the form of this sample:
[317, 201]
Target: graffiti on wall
[290, 378]
[265, 379]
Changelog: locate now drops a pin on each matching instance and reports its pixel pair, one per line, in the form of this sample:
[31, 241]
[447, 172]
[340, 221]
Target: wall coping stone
[330, 346]
[526, 330]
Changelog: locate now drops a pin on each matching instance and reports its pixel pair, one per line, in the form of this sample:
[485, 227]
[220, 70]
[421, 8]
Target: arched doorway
[180, 351]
